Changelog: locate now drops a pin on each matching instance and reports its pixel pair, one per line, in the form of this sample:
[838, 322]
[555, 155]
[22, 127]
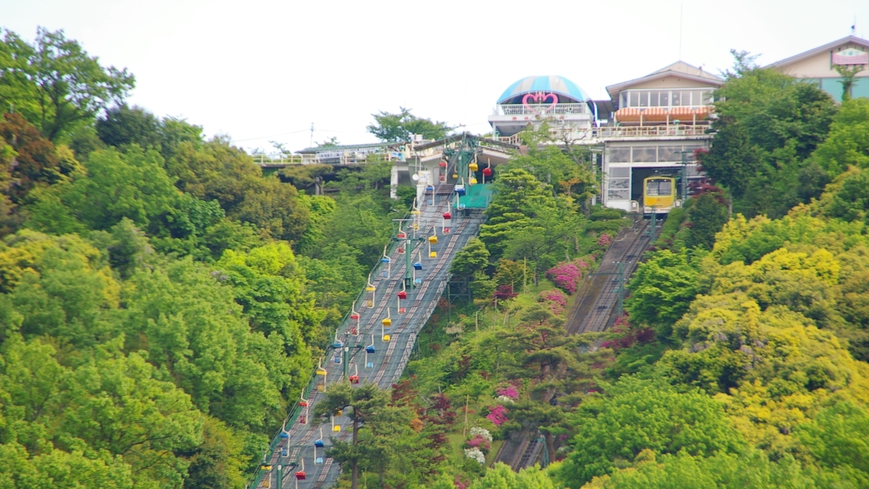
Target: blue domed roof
[555, 84]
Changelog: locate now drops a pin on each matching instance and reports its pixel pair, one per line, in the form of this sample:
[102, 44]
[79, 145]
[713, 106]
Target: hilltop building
[819, 66]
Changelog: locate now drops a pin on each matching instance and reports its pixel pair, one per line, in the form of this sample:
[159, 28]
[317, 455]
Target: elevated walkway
[359, 347]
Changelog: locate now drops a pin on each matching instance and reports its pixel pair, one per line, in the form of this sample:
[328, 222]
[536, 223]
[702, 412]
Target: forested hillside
[163, 302]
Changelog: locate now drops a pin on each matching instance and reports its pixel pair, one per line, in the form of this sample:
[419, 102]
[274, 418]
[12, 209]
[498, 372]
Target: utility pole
[684, 195]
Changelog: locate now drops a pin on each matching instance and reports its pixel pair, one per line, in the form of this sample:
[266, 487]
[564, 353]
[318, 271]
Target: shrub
[555, 298]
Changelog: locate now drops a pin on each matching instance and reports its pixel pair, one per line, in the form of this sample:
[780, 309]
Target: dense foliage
[162, 300]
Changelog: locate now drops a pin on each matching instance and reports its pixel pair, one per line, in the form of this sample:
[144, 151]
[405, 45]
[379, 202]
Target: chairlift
[319, 443]
[354, 379]
[473, 166]
[300, 474]
[442, 164]
[370, 348]
[320, 369]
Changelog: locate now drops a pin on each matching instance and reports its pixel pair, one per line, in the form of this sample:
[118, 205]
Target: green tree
[361, 405]
[397, 128]
[124, 125]
[502, 477]
[848, 142]
[473, 257]
[131, 184]
[55, 84]
[838, 436]
[643, 415]
[768, 125]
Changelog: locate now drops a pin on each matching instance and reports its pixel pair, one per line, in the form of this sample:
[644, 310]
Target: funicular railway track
[594, 312]
[294, 448]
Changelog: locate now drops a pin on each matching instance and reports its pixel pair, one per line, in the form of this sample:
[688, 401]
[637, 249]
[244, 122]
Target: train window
[658, 188]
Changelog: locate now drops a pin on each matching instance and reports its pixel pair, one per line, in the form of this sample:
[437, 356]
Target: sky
[262, 71]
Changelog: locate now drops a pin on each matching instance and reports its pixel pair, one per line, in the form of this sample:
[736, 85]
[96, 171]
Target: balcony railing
[539, 109]
[650, 131]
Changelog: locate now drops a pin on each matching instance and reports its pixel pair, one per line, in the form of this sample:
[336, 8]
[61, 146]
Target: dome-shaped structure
[550, 84]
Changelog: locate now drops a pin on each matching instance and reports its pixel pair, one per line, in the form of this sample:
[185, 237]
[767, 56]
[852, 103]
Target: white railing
[540, 109]
[267, 160]
[650, 131]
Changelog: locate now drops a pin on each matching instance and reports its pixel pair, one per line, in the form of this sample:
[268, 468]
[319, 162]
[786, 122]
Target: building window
[644, 154]
[620, 155]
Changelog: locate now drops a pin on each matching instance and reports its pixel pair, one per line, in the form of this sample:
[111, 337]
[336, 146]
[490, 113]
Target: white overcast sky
[266, 70]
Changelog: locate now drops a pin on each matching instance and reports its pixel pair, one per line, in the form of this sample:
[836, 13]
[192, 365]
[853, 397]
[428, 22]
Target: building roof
[679, 68]
[345, 147]
[820, 49]
[552, 84]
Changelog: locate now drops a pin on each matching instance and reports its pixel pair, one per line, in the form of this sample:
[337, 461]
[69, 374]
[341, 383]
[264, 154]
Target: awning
[628, 114]
[655, 114]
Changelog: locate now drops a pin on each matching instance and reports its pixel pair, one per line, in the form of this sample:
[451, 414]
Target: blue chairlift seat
[369, 365]
[369, 349]
[318, 461]
[319, 443]
[417, 266]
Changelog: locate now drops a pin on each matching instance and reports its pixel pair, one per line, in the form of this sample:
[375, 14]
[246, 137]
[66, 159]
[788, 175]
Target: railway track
[595, 309]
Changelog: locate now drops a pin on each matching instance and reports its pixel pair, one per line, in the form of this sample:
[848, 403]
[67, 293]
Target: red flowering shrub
[508, 391]
[565, 276]
[604, 240]
[497, 415]
[555, 298]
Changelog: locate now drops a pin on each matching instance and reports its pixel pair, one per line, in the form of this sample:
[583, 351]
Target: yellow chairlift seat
[336, 428]
[433, 254]
[433, 239]
[386, 337]
[387, 322]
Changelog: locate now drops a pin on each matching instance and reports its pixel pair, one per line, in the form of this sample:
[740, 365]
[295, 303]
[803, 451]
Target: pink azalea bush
[567, 275]
[555, 298]
[480, 442]
[497, 415]
[508, 391]
[604, 240]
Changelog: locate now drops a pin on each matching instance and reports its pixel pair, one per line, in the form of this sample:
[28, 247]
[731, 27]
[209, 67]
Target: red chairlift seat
[303, 403]
[354, 379]
[301, 475]
[402, 295]
[448, 215]
[487, 172]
